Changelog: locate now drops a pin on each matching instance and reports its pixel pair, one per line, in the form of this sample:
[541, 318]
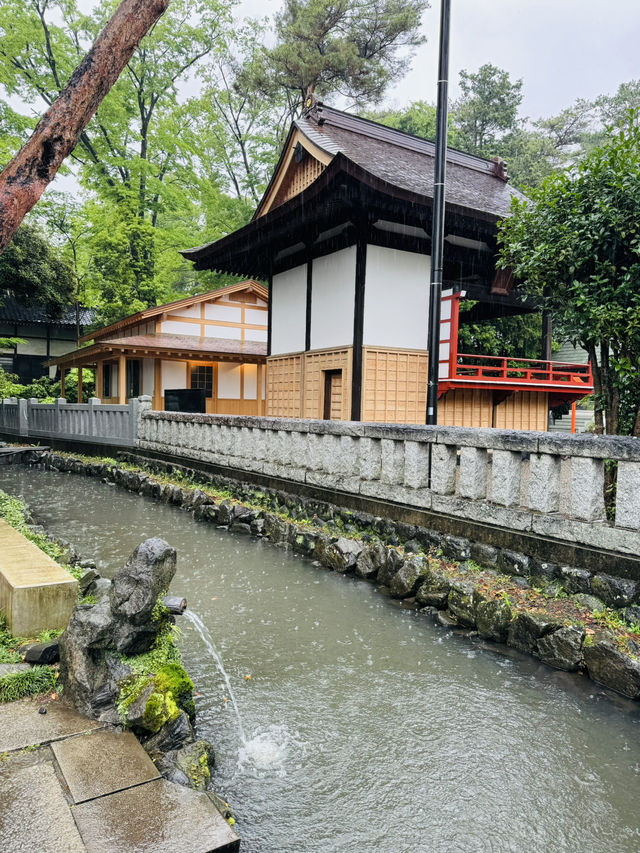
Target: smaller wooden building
[215, 342]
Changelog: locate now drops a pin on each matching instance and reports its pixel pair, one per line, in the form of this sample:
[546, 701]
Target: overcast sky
[562, 49]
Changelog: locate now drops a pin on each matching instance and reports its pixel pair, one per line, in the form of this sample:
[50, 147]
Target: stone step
[35, 592]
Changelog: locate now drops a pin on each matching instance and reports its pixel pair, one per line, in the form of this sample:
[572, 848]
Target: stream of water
[343, 722]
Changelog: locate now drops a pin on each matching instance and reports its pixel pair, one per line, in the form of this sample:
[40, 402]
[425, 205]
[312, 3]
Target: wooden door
[332, 410]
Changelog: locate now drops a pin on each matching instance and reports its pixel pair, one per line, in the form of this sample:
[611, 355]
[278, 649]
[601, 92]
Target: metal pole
[437, 230]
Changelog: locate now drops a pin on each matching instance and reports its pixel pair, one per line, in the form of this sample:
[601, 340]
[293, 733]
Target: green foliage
[419, 118]
[30, 682]
[575, 248]
[354, 48]
[8, 644]
[487, 109]
[518, 336]
[16, 514]
[34, 273]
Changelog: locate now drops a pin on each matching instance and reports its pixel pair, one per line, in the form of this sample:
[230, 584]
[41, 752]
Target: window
[202, 378]
[133, 378]
[106, 380]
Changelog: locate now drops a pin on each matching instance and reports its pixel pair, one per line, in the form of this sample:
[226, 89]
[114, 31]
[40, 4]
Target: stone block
[444, 459]
[158, 817]
[586, 489]
[35, 592]
[416, 465]
[575, 580]
[34, 815]
[544, 482]
[369, 456]
[392, 461]
[21, 726]
[88, 775]
[473, 473]
[628, 495]
[615, 592]
[484, 555]
[513, 563]
[505, 477]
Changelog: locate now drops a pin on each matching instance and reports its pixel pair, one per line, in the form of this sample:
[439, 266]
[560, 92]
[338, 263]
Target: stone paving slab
[102, 763]
[21, 725]
[34, 815]
[158, 817]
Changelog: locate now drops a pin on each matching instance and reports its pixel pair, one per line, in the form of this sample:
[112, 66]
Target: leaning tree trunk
[35, 165]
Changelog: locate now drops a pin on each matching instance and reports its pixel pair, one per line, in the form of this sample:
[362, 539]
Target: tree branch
[57, 133]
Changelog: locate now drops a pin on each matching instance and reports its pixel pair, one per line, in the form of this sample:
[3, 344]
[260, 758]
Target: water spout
[211, 648]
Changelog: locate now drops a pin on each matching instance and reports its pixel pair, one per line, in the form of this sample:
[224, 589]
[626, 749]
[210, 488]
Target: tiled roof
[406, 161]
[12, 311]
[176, 346]
[183, 343]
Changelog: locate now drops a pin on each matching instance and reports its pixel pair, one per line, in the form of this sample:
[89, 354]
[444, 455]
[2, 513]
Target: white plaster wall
[256, 318]
[148, 376]
[251, 382]
[228, 381]
[396, 299]
[174, 375]
[215, 311]
[172, 327]
[228, 332]
[192, 311]
[255, 335]
[332, 299]
[289, 310]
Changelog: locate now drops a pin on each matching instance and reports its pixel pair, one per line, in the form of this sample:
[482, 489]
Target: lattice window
[202, 378]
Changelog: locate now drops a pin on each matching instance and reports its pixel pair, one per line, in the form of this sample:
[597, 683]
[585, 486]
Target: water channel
[366, 727]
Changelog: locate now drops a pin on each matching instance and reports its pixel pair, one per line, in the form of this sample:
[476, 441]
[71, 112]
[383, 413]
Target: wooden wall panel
[523, 410]
[466, 407]
[394, 386]
[299, 176]
[314, 365]
[284, 386]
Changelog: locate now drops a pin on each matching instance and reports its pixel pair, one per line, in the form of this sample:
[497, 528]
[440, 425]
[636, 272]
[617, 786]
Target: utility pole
[437, 230]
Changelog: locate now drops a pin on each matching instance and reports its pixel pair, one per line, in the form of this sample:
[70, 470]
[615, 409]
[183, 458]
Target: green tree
[353, 48]
[419, 118]
[131, 155]
[33, 272]
[487, 109]
[574, 246]
[233, 130]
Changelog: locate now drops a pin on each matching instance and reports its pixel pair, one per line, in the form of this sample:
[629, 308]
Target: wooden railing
[488, 368]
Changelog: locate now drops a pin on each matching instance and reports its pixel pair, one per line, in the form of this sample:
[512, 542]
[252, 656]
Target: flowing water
[361, 726]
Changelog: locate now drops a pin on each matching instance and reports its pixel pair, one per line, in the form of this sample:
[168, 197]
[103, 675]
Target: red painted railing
[488, 368]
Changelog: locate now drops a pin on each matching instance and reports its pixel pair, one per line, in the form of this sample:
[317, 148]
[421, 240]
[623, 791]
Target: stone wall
[545, 486]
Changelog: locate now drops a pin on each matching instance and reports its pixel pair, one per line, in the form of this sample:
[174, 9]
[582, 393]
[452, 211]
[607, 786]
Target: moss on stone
[160, 709]
[173, 679]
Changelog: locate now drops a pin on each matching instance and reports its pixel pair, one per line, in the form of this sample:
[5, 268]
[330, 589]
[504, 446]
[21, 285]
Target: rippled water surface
[366, 727]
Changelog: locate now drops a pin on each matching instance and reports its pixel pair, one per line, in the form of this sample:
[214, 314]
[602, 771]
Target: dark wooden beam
[307, 329]
[358, 327]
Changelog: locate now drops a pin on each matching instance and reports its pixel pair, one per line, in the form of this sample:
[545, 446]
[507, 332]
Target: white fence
[92, 422]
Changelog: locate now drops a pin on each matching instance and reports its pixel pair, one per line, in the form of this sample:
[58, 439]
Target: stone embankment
[568, 617]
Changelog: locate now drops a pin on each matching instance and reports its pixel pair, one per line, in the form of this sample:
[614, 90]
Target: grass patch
[16, 515]
[17, 685]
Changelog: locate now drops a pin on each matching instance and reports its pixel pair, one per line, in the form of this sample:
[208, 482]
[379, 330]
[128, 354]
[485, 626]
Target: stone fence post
[23, 418]
[138, 406]
[93, 416]
[61, 401]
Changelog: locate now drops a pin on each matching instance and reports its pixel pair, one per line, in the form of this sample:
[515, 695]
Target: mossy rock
[174, 679]
[196, 760]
